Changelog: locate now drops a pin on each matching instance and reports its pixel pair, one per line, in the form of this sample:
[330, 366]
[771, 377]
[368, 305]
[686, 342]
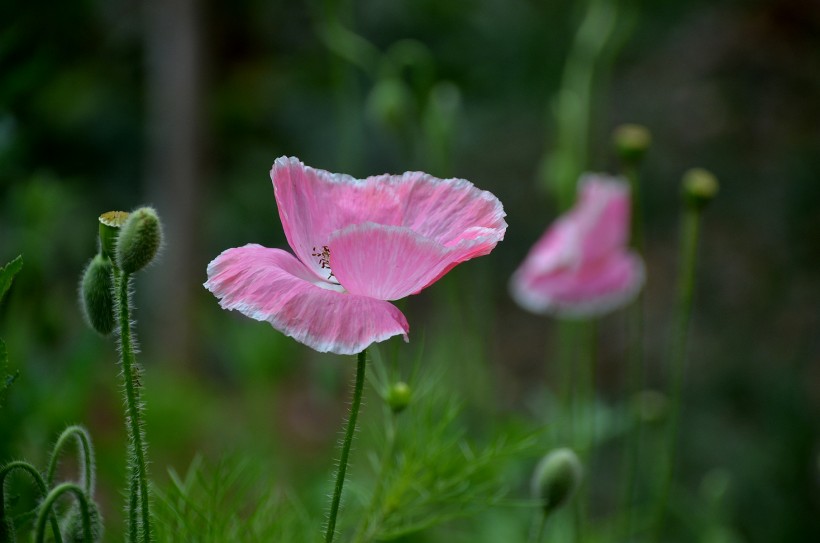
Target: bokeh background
[184, 104]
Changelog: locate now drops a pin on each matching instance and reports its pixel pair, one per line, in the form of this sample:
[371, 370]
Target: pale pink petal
[391, 262]
[590, 290]
[601, 215]
[314, 204]
[272, 285]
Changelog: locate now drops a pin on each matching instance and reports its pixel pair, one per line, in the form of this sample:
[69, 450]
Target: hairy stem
[45, 510]
[86, 457]
[138, 474]
[348, 441]
[41, 488]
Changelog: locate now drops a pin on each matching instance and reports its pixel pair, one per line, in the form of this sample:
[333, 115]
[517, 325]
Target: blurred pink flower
[582, 267]
[358, 243]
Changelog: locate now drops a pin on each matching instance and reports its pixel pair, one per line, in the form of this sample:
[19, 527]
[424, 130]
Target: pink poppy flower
[582, 267]
[358, 244]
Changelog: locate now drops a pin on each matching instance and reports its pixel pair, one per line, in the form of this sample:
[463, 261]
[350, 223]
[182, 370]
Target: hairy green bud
[631, 142]
[72, 524]
[699, 187]
[139, 240]
[97, 294]
[7, 531]
[556, 479]
[110, 224]
[398, 396]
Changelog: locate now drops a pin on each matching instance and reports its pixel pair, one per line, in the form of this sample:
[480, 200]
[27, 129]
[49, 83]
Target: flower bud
[72, 525]
[398, 396]
[110, 224]
[556, 479]
[699, 187]
[631, 142]
[97, 294]
[139, 240]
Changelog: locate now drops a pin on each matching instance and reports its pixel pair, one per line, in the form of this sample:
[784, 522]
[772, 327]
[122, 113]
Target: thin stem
[677, 361]
[45, 510]
[349, 433]
[41, 487]
[86, 457]
[138, 474]
[384, 465]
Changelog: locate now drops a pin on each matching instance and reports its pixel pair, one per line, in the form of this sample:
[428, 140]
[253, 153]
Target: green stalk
[86, 457]
[350, 431]
[686, 286]
[138, 474]
[41, 487]
[45, 510]
[384, 468]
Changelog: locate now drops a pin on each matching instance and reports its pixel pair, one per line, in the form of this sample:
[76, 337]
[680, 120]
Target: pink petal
[601, 214]
[390, 262]
[313, 204]
[272, 285]
[593, 289]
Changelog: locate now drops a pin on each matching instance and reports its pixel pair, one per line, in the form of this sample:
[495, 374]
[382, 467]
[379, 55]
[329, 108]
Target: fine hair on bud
[139, 240]
[6, 531]
[556, 479]
[72, 524]
[97, 295]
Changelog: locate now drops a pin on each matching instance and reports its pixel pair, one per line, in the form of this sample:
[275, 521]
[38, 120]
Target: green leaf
[7, 274]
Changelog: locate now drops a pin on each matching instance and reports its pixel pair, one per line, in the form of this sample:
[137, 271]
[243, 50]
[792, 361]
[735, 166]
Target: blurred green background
[184, 104]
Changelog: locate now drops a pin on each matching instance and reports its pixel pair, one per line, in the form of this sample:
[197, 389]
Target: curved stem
[677, 358]
[378, 490]
[349, 433]
[86, 457]
[138, 473]
[45, 510]
[41, 487]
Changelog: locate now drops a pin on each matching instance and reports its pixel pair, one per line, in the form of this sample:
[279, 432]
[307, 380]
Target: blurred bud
[139, 240]
[556, 479]
[631, 142]
[390, 103]
[110, 224]
[97, 294]
[699, 187]
[650, 406]
[7, 531]
[398, 396]
[72, 525]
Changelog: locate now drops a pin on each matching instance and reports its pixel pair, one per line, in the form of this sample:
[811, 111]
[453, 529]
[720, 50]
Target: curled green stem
[86, 452]
[45, 510]
[38, 481]
[350, 431]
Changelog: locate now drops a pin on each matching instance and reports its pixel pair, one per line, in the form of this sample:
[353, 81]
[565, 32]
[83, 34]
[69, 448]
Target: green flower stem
[348, 441]
[41, 487]
[86, 457]
[690, 230]
[378, 490]
[138, 474]
[45, 510]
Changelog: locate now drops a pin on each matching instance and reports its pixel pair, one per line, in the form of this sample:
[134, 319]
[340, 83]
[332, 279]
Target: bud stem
[42, 489]
[690, 230]
[137, 471]
[45, 510]
[86, 457]
[349, 433]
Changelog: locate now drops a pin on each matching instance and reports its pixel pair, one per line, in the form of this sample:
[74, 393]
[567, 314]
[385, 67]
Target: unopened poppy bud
[398, 396]
[110, 224]
[97, 294]
[72, 525]
[139, 240]
[631, 142]
[556, 479]
[699, 187]
[7, 531]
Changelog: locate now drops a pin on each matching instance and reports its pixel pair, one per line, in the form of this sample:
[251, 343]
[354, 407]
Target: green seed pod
[7, 531]
[631, 142]
[110, 224]
[139, 240]
[699, 187]
[556, 479]
[97, 294]
[398, 396]
[72, 524]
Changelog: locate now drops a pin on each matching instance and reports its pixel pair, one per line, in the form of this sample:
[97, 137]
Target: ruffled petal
[271, 285]
[388, 262]
[578, 292]
[314, 204]
[601, 216]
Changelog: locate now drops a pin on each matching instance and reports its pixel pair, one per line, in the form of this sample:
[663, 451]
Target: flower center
[324, 259]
